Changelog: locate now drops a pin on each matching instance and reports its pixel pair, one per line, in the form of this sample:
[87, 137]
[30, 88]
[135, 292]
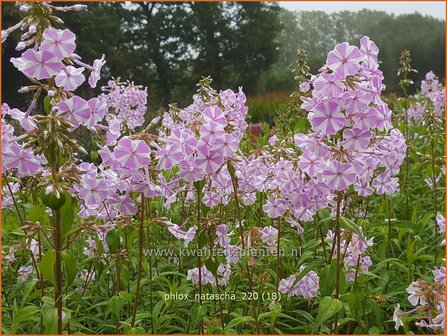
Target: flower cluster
[353, 248]
[306, 286]
[427, 296]
[127, 101]
[430, 98]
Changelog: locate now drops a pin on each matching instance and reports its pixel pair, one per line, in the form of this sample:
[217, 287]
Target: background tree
[168, 46]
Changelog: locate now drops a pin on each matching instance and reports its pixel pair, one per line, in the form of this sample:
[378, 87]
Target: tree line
[168, 46]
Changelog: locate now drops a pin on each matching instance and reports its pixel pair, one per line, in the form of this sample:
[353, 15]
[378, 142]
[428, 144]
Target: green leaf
[46, 265]
[36, 212]
[239, 320]
[116, 304]
[46, 105]
[327, 279]
[27, 291]
[350, 225]
[328, 307]
[113, 241]
[70, 267]
[67, 215]
[23, 314]
[211, 265]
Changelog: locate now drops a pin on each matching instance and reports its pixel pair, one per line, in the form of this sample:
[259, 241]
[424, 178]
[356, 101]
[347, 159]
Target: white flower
[396, 317]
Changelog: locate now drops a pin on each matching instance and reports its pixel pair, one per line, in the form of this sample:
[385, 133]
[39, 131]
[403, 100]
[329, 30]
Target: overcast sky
[433, 8]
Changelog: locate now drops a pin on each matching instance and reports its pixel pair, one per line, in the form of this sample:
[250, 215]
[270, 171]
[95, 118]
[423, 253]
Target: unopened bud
[48, 190]
[32, 29]
[82, 150]
[79, 8]
[155, 120]
[24, 89]
[5, 35]
[20, 46]
[50, 93]
[24, 8]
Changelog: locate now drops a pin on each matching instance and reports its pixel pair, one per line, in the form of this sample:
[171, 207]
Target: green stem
[435, 196]
[58, 268]
[140, 260]
[241, 231]
[338, 238]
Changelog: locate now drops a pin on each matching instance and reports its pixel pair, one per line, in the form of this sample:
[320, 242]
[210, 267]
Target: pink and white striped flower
[76, 110]
[344, 60]
[38, 64]
[60, 42]
[339, 176]
[327, 118]
[132, 154]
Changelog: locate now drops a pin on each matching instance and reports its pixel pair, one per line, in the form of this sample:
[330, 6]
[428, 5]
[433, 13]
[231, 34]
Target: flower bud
[48, 190]
[79, 8]
[5, 35]
[24, 8]
[20, 46]
[32, 29]
[24, 89]
[51, 93]
[155, 120]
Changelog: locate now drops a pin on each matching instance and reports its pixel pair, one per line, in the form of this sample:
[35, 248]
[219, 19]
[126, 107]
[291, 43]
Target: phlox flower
[169, 156]
[307, 286]
[339, 176]
[356, 139]
[190, 172]
[370, 51]
[327, 118]
[211, 198]
[38, 64]
[113, 130]
[94, 191]
[310, 163]
[27, 122]
[208, 160]
[274, 208]
[76, 110]
[132, 154]
[91, 249]
[384, 183]
[205, 276]
[211, 131]
[226, 144]
[439, 275]
[224, 272]
[223, 237]
[397, 317]
[122, 204]
[416, 295]
[33, 247]
[24, 160]
[269, 236]
[366, 119]
[327, 85]
[70, 78]
[344, 59]
[60, 42]
[215, 114]
[95, 75]
[98, 110]
[186, 236]
[228, 97]
[356, 101]
[24, 273]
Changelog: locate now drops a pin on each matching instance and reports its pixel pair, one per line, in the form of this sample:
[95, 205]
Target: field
[316, 211]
